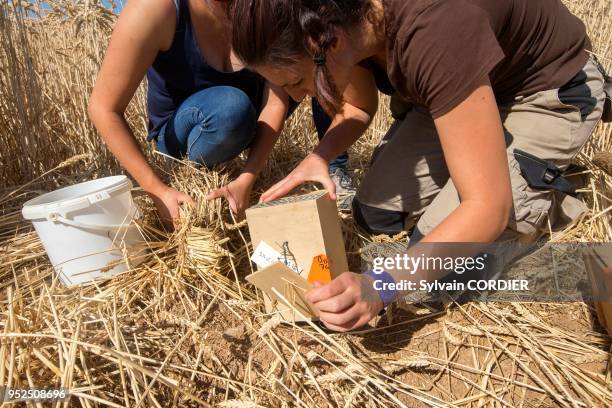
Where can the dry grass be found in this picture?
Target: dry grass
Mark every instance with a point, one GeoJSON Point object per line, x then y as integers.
{"type": "Point", "coordinates": [184, 329]}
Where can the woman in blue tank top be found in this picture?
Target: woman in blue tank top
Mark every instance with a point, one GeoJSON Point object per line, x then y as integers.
{"type": "Point", "coordinates": [201, 103]}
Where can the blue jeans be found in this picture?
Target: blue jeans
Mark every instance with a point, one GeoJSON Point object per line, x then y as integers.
{"type": "Point", "coordinates": [210, 127]}
{"type": "Point", "coordinates": [216, 124]}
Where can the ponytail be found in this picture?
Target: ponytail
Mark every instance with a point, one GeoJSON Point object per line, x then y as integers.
{"type": "Point", "coordinates": [318, 39]}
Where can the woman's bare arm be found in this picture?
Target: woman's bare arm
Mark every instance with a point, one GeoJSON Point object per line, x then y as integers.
{"type": "Point", "coordinates": [473, 143]}
{"type": "Point", "coordinates": [143, 29]}
{"type": "Point", "coordinates": [269, 126]}
{"type": "Point", "coordinates": [361, 103]}
{"type": "Point", "coordinates": [472, 139]}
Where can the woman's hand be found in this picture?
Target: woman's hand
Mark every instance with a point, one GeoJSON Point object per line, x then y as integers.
{"type": "Point", "coordinates": [312, 168]}
{"type": "Point", "coordinates": [168, 200]}
{"type": "Point", "coordinates": [236, 193]}
{"type": "Point", "coordinates": [347, 302]}
{"type": "Point", "coordinates": [143, 29]}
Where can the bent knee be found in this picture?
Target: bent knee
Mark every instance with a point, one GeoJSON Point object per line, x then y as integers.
{"type": "Point", "coordinates": [228, 130]}
{"type": "Point", "coordinates": [234, 110]}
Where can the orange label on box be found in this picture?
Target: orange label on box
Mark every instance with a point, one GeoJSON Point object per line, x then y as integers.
{"type": "Point", "coordinates": [319, 270]}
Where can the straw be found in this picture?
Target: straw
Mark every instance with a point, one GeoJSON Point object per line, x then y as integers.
{"type": "Point", "coordinates": [183, 328]}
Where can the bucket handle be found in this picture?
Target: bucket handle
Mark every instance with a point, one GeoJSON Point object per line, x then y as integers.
{"type": "Point", "coordinates": [95, 198]}
{"type": "Point", "coordinates": [55, 217]}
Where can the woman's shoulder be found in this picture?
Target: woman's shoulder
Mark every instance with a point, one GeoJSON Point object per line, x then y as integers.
{"type": "Point", "coordinates": [156, 17]}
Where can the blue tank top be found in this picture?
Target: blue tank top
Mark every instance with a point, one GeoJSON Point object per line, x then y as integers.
{"type": "Point", "coordinates": [182, 70]}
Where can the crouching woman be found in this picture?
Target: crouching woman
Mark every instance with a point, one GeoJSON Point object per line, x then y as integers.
{"type": "Point", "coordinates": [201, 104]}
{"type": "Point", "coordinates": [474, 83]}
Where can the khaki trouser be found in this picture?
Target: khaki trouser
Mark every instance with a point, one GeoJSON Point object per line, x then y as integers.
{"type": "Point", "coordinates": [408, 174]}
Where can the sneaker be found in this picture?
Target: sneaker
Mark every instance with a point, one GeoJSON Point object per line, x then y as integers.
{"type": "Point", "coordinates": [342, 180]}
{"type": "Point", "coordinates": [344, 187]}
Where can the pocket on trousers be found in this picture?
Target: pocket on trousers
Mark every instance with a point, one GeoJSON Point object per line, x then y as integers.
{"type": "Point", "coordinates": [531, 207]}
{"type": "Point", "coordinates": [576, 95]}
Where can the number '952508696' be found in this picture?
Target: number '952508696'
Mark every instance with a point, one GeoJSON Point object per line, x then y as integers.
{"type": "Point", "coordinates": [33, 394]}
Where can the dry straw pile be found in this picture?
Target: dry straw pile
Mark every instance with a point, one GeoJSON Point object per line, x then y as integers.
{"type": "Point", "coordinates": [183, 328]}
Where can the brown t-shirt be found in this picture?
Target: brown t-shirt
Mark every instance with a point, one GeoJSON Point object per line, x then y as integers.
{"type": "Point", "coordinates": [439, 50]}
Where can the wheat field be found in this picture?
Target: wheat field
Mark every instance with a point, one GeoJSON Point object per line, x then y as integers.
{"type": "Point", "coordinates": [183, 328]}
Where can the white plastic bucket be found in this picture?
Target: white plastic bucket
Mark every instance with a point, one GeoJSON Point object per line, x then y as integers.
{"type": "Point", "coordinates": [87, 229]}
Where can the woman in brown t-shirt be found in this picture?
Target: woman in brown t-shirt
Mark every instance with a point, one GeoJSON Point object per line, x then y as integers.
{"type": "Point", "coordinates": [471, 81]}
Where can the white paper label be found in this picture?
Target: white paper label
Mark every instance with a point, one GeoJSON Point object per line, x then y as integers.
{"type": "Point", "coordinates": [265, 256]}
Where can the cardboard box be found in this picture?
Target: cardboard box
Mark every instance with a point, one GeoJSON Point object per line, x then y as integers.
{"type": "Point", "coordinates": [300, 228]}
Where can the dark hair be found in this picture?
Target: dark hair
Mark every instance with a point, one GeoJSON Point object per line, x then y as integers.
{"type": "Point", "coordinates": [280, 32]}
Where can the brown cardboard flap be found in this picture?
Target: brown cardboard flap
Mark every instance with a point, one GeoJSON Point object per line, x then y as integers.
{"type": "Point", "coordinates": [286, 282]}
